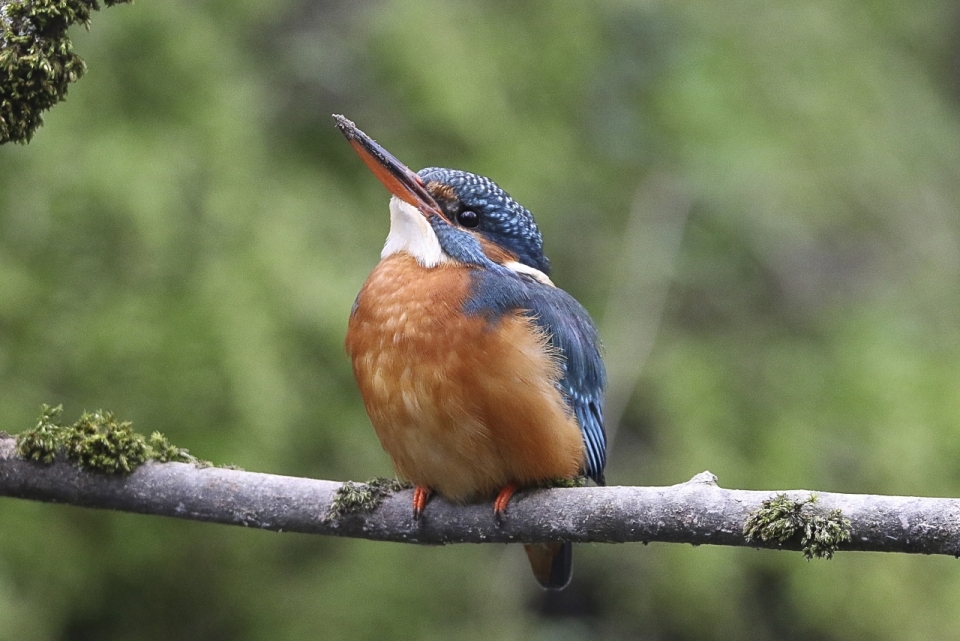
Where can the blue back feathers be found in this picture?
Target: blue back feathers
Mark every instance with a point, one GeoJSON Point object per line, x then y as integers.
{"type": "Point", "coordinates": [498, 290]}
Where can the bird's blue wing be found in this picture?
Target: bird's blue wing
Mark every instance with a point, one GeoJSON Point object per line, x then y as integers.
{"type": "Point", "coordinates": [574, 336]}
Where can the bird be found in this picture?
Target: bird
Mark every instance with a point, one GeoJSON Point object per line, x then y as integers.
{"type": "Point", "coordinates": [479, 375]}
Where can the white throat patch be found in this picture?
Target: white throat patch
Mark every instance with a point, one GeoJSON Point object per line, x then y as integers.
{"type": "Point", "coordinates": [410, 232]}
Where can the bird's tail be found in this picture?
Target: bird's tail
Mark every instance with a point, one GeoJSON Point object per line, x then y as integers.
{"type": "Point", "coordinates": [552, 563]}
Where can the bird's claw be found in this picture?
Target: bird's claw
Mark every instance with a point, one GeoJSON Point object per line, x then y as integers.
{"type": "Point", "coordinates": [421, 495]}
{"type": "Point", "coordinates": [501, 502]}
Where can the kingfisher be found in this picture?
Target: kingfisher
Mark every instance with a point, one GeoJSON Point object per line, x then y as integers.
{"type": "Point", "coordinates": [480, 376]}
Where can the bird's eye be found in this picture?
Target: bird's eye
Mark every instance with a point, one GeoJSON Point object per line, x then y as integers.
{"type": "Point", "coordinates": [468, 218]}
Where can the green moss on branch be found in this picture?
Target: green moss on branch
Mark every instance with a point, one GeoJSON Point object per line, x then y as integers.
{"type": "Point", "coordinates": [782, 518]}
{"type": "Point", "coordinates": [37, 61]}
{"type": "Point", "coordinates": [97, 441]}
{"type": "Point", "coordinates": [361, 498]}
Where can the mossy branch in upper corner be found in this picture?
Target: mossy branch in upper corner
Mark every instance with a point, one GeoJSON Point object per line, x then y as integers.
{"type": "Point", "coordinates": [37, 61]}
{"type": "Point", "coordinates": [781, 518]}
{"type": "Point", "coordinates": [97, 441]}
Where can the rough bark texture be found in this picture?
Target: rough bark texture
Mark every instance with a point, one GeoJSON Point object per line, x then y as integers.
{"type": "Point", "coordinates": [697, 511]}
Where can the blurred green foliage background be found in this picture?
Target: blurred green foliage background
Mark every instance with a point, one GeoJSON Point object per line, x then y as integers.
{"type": "Point", "coordinates": [759, 202]}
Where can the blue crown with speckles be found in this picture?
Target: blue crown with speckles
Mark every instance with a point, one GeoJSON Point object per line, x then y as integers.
{"type": "Point", "coordinates": [504, 221]}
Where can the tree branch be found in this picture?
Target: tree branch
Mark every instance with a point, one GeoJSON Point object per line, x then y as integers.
{"type": "Point", "coordinates": [697, 512]}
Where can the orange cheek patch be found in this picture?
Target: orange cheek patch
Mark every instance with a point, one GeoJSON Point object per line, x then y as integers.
{"type": "Point", "coordinates": [496, 253]}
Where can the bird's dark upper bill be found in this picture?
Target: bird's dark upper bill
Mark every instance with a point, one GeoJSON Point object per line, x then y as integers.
{"type": "Point", "coordinates": [402, 182]}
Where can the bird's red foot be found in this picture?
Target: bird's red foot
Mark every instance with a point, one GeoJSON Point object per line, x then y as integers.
{"type": "Point", "coordinates": [500, 504]}
{"type": "Point", "coordinates": [421, 495]}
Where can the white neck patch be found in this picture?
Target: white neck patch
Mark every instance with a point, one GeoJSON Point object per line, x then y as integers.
{"type": "Point", "coordinates": [538, 275]}
{"type": "Point", "coordinates": [410, 232]}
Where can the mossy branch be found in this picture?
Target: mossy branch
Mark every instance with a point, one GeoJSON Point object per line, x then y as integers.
{"type": "Point", "coordinates": [96, 442]}
{"type": "Point", "coordinates": [782, 518]}
{"type": "Point", "coordinates": [37, 61]}
{"type": "Point", "coordinates": [697, 511]}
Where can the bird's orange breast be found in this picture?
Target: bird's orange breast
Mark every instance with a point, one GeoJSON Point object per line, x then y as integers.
{"type": "Point", "coordinates": [461, 404]}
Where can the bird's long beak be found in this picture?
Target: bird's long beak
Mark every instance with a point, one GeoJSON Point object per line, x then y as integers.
{"type": "Point", "coordinates": [402, 182]}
